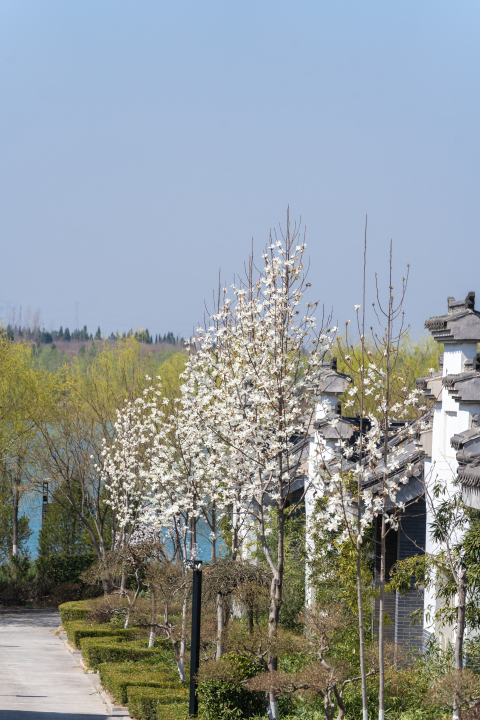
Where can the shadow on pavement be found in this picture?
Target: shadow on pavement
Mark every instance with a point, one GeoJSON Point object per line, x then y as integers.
{"type": "Point", "coordinates": [33, 715]}
{"type": "Point", "coordinates": [41, 620]}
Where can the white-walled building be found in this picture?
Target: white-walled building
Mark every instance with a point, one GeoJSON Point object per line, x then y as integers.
{"type": "Point", "coordinates": [448, 452]}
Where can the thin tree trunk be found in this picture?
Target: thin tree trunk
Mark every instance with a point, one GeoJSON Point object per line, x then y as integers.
{"type": "Point", "coordinates": [132, 603]}
{"type": "Point", "coordinates": [214, 531]}
{"type": "Point", "coordinates": [183, 641]}
{"type": "Point", "coordinates": [462, 599]}
{"type": "Point", "coordinates": [340, 703]}
{"type": "Point", "coordinates": [361, 630]}
{"type": "Point", "coordinates": [15, 523]}
{"type": "Point", "coordinates": [272, 661]}
{"type": "Point", "coordinates": [153, 617]}
{"type": "Point", "coordinates": [220, 625]}
{"type": "Point", "coordinates": [177, 651]}
{"type": "Point", "coordinates": [381, 627]}
{"type": "Point", "coordinates": [275, 602]}
{"type": "Point", "coordinates": [123, 583]}
{"type": "Point", "coordinates": [250, 611]}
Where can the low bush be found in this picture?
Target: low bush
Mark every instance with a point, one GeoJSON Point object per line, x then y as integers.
{"type": "Point", "coordinates": [60, 569]}
{"type": "Point", "coordinates": [220, 692]}
{"type": "Point", "coordinates": [143, 702]}
{"type": "Point", "coordinates": [77, 610]}
{"type": "Point", "coordinates": [117, 677]}
{"type": "Point", "coordinates": [78, 629]}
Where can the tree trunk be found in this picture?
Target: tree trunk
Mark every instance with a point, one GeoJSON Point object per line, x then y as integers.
{"type": "Point", "coordinates": [153, 617]}
{"type": "Point", "coordinates": [340, 703]}
{"type": "Point", "coordinates": [183, 641]}
{"type": "Point", "coordinates": [214, 531]}
{"type": "Point", "coordinates": [276, 588]}
{"type": "Point", "coordinates": [250, 612]}
{"type": "Point", "coordinates": [381, 627]}
{"type": "Point", "coordinates": [361, 632]}
{"type": "Point", "coordinates": [462, 599]}
{"type": "Point", "coordinates": [178, 659]}
{"type": "Point", "coordinates": [132, 602]}
{"type": "Point", "coordinates": [15, 523]}
{"type": "Point", "coordinates": [220, 625]}
{"type": "Point", "coordinates": [123, 583]}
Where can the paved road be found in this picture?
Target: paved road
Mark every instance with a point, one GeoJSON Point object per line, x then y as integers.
{"type": "Point", "coordinates": [39, 678]}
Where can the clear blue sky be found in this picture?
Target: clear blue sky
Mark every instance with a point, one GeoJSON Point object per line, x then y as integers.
{"type": "Point", "coordinates": [143, 145]}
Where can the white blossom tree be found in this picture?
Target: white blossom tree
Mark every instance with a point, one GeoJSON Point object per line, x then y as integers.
{"type": "Point", "coordinates": [162, 473]}
{"type": "Point", "coordinates": [362, 480]}
{"type": "Point", "coordinates": [253, 372]}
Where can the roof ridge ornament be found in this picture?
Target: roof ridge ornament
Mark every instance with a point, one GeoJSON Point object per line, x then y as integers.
{"type": "Point", "coordinates": [460, 324]}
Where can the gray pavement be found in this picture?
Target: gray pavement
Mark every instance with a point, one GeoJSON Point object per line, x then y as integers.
{"type": "Point", "coordinates": [39, 678]}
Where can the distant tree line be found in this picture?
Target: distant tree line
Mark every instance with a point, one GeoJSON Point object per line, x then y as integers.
{"type": "Point", "coordinates": [46, 337]}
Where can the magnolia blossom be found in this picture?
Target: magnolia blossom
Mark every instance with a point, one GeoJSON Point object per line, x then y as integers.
{"type": "Point", "coordinates": [378, 490]}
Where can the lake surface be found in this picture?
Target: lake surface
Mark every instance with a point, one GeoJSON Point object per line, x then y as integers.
{"type": "Point", "coordinates": [33, 511]}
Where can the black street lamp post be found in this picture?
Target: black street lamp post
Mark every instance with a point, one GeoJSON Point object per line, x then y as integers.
{"type": "Point", "coordinates": [196, 566]}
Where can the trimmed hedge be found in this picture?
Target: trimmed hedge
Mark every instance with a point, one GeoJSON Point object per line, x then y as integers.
{"type": "Point", "coordinates": [143, 702]}
{"type": "Point", "coordinates": [78, 629]}
{"type": "Point", "coordinates": [117, 677]}
{"type": "Point", "coordinates": [76, 610]}
{"type": "Point", "coordinates": [101, 650]}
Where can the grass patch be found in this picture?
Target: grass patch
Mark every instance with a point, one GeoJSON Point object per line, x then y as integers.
{"type": "Point", "coordinates": [144, 702]}
{"type": "Point", "coordinates": [172, 712]}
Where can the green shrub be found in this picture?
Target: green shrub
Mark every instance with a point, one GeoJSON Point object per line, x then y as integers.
{"type": "Point", "coordinates": [144, 701]}
{"type": "Point", "coordinates": [76, 610]}
{"type": "Point", "coordinates": [222, 698]}
{"type": "Point", "coordinates": [99, 650]}
{"type": "Point", "coordinates": [117, 677]}
{"type": "Point", "coordinates": [64, 568]}
{"type": "Point", "coordinates": [78, 629]}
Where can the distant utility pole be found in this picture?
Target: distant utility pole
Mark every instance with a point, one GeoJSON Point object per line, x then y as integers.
{"type": "Point", "coordinates": [45, 501]}
{"type": "Point", "coordinates": [20, 318]}
{"type": "Point", "coordinates": [75, 323]}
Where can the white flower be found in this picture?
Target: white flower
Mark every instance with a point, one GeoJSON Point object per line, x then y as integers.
{"type": "Point", "coordinates": [357, 307]}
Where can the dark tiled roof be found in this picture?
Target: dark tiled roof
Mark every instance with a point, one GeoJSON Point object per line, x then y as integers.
{"type": "Point", "coordinates": [460, 324]}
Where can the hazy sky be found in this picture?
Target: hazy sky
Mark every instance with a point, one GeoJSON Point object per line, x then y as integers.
{"type": "Point", "coordinates": [144, 144]}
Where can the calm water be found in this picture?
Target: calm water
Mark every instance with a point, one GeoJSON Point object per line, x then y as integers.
{"type": "Point", "coordinates": [33, 510]}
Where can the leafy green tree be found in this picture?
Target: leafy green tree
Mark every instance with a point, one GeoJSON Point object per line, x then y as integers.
{"type": "Point", "coordinates": [414, 359]}
{"type": "Point", "coordinates": [295, 558]}
{"type": "Point", "coordinates": [62, 532]}
{"type": "Point", "coordinates": [78, 412]}
{"type": "Point", "coordinates": [19, 382]}
{"type": "Point", "coordinates": [24, 531]}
